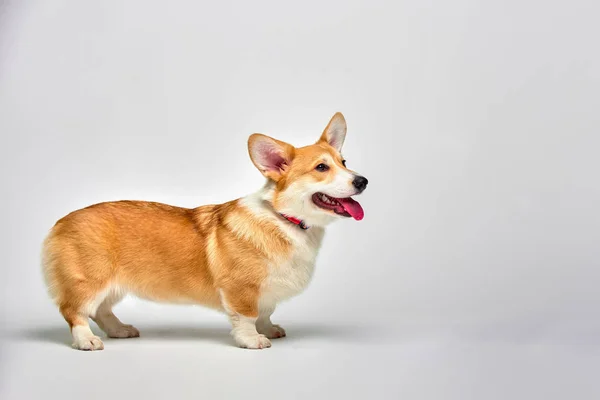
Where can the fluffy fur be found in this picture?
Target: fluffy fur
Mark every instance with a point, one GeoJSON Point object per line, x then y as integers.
{"type": "Point", "coordinates": [241, 257]}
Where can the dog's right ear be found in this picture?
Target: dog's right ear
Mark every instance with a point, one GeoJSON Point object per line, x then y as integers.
{"type": "Point", "coordinates": [271, 156]}
{"type": "Point", "coordinates": [335, 132]}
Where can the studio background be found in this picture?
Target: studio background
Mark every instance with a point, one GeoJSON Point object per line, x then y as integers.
{"type": "Point", "coordinates": [474, 273]}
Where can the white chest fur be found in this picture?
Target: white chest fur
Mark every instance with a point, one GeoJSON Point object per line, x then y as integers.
{"type": "Point", "coordinates": [292, 276]}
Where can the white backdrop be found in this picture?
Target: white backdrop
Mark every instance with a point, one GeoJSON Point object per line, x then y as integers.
{"type": "Point", "coordinates": [474, 273]}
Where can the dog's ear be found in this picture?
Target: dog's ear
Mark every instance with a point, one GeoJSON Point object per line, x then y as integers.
{"type": "Point", "coordinates": [271, 156]}
{"type": "Point", "coordinates": [335, 132]}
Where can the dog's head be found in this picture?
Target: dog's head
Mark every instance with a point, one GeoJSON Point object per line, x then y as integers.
{"type": "Point", "coordinates": [311, 183]}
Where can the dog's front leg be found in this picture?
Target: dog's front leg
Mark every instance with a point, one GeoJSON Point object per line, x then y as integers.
{"type": "Point", "coordinates": [264, 324]}
{"type": "Point", "coordinates": [242, 308]}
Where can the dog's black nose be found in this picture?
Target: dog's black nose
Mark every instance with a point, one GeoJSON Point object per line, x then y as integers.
{"type": "Point", "coordinates": [360, 183]}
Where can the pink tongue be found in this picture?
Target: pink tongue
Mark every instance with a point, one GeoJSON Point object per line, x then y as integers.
{"type": "Point", "coordinates": [352, 207]}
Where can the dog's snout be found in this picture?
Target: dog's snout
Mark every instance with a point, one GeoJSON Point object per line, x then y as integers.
{"type": "Point", "coordinates": [360, 183]}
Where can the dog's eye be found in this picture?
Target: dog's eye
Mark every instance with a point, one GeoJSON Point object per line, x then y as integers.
{"type": "Point", "coordinates": [344, 163]}
{"type": "Point", "coordinates": [322, 168]}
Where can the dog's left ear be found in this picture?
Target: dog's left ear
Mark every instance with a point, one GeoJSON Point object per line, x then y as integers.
{"type": "Point", "coordinates": [271, 156]}
{"type": "Point", "coordinates": [335, 132]}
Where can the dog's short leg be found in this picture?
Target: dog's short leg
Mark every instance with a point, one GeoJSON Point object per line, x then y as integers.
{"type": "Point", "coordinates": [114, 328]}
{"type": "Point", "coordinates": [245, 334]}
{"type": "Point", "coordinates": [84, 338]}
{"type": "Point", "coordinates": [77, 313]}
{"type": "Point", "coordinates": [243, 313]}
{"type": "Point", "coordinates": [108, 321]}
{"type": "Point", "coordinates": [265, 326]}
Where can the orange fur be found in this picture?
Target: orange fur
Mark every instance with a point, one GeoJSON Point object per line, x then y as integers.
{"type": "Point", "coordinates": [160, 252]}
{"type": "Point", "coordinates": [230, 256]}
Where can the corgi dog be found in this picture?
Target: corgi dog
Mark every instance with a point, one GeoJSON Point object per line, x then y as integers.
{"type": "Point", "coordinates": [241, 257]}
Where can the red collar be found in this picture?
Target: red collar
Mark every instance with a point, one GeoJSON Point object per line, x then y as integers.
{"type": "Point", "coordinates": [295, 221]}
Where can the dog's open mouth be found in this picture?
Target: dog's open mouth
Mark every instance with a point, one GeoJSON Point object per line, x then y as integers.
{"type": "Point", "coordinates": [347, 207]}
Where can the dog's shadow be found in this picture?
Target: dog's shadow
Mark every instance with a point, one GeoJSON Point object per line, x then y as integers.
{"type": "Point", "coordinates": [215, 334]}
{"type": "Point", "coordinates": [61, 335]}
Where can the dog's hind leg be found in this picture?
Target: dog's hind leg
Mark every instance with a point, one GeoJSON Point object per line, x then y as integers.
{"type": "Point", "coordinates": [77, 306]}
{"type": "Point", "coordinates": [108, 321]}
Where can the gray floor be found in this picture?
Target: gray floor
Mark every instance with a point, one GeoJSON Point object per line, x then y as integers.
{"type": "Point", "coordinates": [319, 359]}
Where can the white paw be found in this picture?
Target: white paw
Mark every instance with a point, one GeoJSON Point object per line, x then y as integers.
{"type": "Point", "coordinates": [88, 343]}
{"type": "Point", "coordinates": [273, 331]}
{"type": "Point", "coordinates": [123, 331]}
{"type": "Point", "coordinates": [253, 341]}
